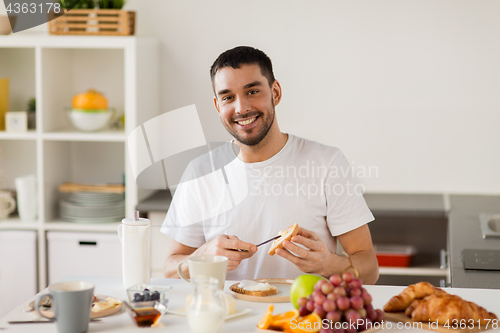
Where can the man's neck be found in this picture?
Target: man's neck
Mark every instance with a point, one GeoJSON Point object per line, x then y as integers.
{"type": "Point", "coordinates": [264, 150]}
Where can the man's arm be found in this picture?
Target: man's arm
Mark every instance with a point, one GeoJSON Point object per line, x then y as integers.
{"type": "Point", "coordinates": [318, 259]}
{"type": "Point", "coordinates": [228, 246]}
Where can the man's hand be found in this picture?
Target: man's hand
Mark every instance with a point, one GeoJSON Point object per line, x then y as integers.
{"type": "Point", "coordinates": [318, 259]}
{"type": "Point", "coordinates": [228, 246]}
{"type": "Point", "coordinates": [309, 260]}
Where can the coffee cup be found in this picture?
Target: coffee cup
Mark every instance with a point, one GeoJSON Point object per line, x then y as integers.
{"type": "Point", "coordinates": [71, 304]}
{"type": "Point", "coordinates": [208, 266]}
{"type": "Point", "coordinates": [7, 204]}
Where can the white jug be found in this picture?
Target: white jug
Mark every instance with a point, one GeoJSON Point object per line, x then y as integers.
{"type": "Point", "coordinates": [135, 236]}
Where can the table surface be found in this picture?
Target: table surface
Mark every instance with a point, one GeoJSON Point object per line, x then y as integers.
{"type": "Point", "coordinates": [121, 322]}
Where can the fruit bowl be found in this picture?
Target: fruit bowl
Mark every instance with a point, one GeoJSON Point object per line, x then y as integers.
{"type": "Point", "coordinates": [90, 120]}
{"type": "Point", "coordinates": [146, 292]}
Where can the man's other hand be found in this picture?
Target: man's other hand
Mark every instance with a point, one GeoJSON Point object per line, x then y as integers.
{"type": "Point", "coordinates": [228, 246]}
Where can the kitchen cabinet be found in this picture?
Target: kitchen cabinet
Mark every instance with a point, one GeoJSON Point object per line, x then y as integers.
{"type": "Point", "coordinates": [17, 268]}
{"type": "Point", "coordinates": [420, 220]}
{"type": "Point", "coordinates": [53, 69]}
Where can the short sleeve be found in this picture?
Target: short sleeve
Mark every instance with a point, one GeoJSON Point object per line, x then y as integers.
{"type": "Point", "coordinates": [346, 207]}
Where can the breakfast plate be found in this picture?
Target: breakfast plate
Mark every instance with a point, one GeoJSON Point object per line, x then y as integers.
{"type": "Point", "coordinates": [236, 314]}
{"type": "Point", "coordinates": [98, 311]}
{"type": "Point", "coordinates": [282, 296]}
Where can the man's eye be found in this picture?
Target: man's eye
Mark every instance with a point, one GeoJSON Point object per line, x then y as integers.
{"type": "Point", "coordinates": [252, 92]}
{"type": "Point", "coordinates": [226, 98]}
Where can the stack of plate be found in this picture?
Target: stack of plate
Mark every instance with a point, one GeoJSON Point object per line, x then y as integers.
{"type": "Point", "coordinates": [92, 207]}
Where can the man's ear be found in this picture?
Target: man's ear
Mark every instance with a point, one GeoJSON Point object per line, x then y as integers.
{"type": "Point", "coordinates": [216, 104]}
{"type": "Point", "coordinates": [276, 89]}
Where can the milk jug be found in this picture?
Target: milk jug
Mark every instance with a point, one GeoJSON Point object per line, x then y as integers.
{"type": "Point", "coordinates": [135, 236]}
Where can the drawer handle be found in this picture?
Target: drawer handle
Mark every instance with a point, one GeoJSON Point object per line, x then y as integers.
{"type": "Point", "coordinates": [88, 243]}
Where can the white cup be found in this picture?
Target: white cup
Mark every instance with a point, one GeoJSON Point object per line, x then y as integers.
{"type": "Point", "coordinates": [27, 202]}
{"type": "Point", "coordinates": [208, 266]}
{"type": "Point", "coordinates": [7, 204]}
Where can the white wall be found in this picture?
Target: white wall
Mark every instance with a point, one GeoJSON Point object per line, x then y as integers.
{"type": "Point", "coordinates": [411, 87]}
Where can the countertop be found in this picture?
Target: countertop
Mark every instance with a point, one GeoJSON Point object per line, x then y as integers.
{"type": "Point", "coordinates": [121, 322]}
{"type": "Point", "coordinates": [465, 233]}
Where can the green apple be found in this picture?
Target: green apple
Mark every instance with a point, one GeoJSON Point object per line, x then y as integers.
{"type": "Point", "coordinates": [303, 286]}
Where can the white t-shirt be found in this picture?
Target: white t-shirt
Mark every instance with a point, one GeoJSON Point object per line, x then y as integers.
{"type": "Point", "coordinates": [305, 182]}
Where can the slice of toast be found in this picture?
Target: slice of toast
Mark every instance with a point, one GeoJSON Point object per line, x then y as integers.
{"type": "Point", "coordinates": [271, 291]}
{"type": "Point", "coordinates": [285, 235]}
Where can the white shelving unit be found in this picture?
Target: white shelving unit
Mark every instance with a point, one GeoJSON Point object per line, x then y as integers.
{"type": "Point", "coordinates": [53, 69]}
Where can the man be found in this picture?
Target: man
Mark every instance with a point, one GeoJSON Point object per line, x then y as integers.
{"type": "Point", "coordinates": [289, 180]}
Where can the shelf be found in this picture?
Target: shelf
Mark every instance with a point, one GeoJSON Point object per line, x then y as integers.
{"type": "Point", "coordinates": [67, 134]}
{"type": "Point", "coordinates": [29, 135]}
{"type": "Point", "coordinates": [92, 227]}
{"type": "Point", "coordinates": [15, 223]}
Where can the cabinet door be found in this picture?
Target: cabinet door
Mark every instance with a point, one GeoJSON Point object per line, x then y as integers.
{"type": "Point", "coordinates": [83, 254]}
{"type": "Point", "coordinates": [18, 264]}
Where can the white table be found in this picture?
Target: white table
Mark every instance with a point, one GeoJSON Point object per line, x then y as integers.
{"type": "Point", "coordinates": [121, 322]}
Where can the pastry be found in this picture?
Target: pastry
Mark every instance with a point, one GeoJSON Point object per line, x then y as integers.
{"type": "Point", "coordinates": [415, 291]}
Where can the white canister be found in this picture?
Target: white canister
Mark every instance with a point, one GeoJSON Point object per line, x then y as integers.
{"type": "Point", "coordinates": [27, 202]}
{"type": "Point", "coordinates": [135, 236]}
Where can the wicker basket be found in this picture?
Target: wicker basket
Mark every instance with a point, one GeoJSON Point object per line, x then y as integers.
{"type": "Point", "coordinates": [93, 22]}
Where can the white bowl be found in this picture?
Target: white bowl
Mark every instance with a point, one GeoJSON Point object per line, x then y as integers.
{"type": "Point", "coordinates": [90, 120]}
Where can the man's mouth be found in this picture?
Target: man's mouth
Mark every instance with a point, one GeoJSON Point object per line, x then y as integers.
{"type": "Point", "coordinates": [247, 121]}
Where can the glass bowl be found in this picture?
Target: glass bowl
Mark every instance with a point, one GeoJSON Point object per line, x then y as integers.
{"type": "Point", "coordinates": [145, 314]}
{"type": "Point", "coordinates": [147, 292]}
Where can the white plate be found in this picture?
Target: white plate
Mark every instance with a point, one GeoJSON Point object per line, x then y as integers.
{"type": "Point", "coordinates": [283, 295]}
{"type": "Point", "coordinates": [236, 314]}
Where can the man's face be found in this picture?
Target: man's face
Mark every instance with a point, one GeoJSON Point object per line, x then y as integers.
{"type": "Point", "coordinates": [245, 102]}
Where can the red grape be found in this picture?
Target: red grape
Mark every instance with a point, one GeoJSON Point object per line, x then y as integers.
{"type": "Point", "coordinates": [329, 305]}
{"type": "Point", "coordinates": [368, 307]}
{"type": "Point", "coordinates": [347, 277]}
{"type": "Point", "coordinates": [380, 315]}
{"type": "Point", "coordinates": [319, 299]}
{"type": "Point", "coordinates": [310, 306]}
{"type": "Point", "coordinates": [372, 315]}
{"type": "Point", "coordinates": [326, 330]}
{"type": "Point", "coordinates": [336, 280]}
{"type": "Point", "coordinates": [333, 316]}
{"type": "Point", "coordinates": [339, 330]}
{"type": "Point", "coordinates": [333, 296]}
{"type": "Point", "coordinates": [303, 311]}
{"type": "Point", "coordinates": [327, 288]}
{"type": "Point", "coordinates": [352, 316]}
{"type": "Point", "coordinates": [362, 312]}
{"type": "Point", "coordinates": [340, 291]}
{"type": "Point", "coordinates": [351, 330]}
{"type": "Point", "coordinates": [302, 301]}
{"type": "Point", "coordinates": [319, 284]}
{"type": "Point", "coordinates": [343, 303]}
{"type": "Point", "coordinates": [355, 292]}
{"type": "Point", "coordinates": [356, 302]}
{"type": "Point", "coordinates": [320, 311]}
{"type": "Point", "coordinates": [355, 283]}
{"type": "Point", "coordinates": [367, 298]}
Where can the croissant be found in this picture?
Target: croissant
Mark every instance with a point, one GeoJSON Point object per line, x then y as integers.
{"type": "Point", "coordinates": [440, 308]}
{"type": "Point", "coordinates": [415, 291]}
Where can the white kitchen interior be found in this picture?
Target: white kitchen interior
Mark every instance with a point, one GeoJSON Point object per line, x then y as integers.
{"type": "Point", "coordinates": [408, 90]}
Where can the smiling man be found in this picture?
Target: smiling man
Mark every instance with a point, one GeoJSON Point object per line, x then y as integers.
{"type": "Point", "coordinates": [289, 180]}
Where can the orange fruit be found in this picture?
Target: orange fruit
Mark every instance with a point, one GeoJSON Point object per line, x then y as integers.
{"type": "Point", "coordinates": [309, 324]}
{"type": "Point", "coordinates": [90, 100]}
{"type": "Point", "coordinates": [283, 319]}
{"type": "Point", "coordinates": [267, 318]}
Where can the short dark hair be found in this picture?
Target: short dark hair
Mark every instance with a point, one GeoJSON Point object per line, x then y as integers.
{"type": "Point", "coordinates": [243, 55]}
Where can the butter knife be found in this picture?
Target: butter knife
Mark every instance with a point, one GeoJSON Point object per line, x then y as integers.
{"type": "Point", "coordinates": [269, 240]}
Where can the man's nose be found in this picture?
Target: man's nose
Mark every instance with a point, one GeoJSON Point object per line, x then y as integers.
{"type": "Point", "coordinates": [242, 105]}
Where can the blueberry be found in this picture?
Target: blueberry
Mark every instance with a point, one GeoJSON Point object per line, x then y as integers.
{"type": "Point", "coordinates": [147, 296]}
{"type": "Point", "coordinates": [155, 296]}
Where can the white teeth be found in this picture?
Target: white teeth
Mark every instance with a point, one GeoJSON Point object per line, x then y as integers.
{"type": "Point", "coordinates": [246, 122]}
